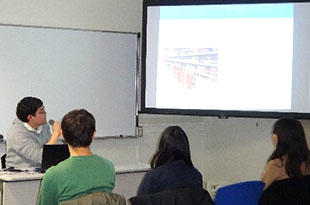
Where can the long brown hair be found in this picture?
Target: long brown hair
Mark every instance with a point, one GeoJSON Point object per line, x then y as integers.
{"type": "Point", "coordinates": [173, 145]}
{"type": "Point", "coordinates": [292, 145]}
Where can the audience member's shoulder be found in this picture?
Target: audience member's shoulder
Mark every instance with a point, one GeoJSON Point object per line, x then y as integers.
{"type": "Point", "coordinates": [60, 168]}
{"type": "Point", "coordinates": [155, 171]}
{"type": "Point", "coordinates": [180, 164]}
{"type": "Point", "coordinates": [104, 160]}
{"type": "Point", "coordinates": [274, 165]}
{"type": "Point", "coordinates": [274, 170]}
{"type": "Point", "coordinates": [277, 163]}
{"type": "Point", "coordinates": [51, 172]}
{"type": "Point", "coordinates": [197, 171]}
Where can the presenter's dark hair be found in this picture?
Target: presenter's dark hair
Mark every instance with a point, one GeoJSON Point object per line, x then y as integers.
{"type": "Point", "coordinates": [291, 145]}
{"type": "Point", "coordinates": [78, 127]}
{"type": "Point", "coordinates": [28, 106]}
{"type": "Point", "coordinates": [173, 145]}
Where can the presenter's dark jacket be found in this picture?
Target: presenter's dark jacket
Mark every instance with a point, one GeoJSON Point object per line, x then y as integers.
{"type": "Point", "coordinates": [170, 176]}
{"type": "Point", "coordinates": [292, 191]}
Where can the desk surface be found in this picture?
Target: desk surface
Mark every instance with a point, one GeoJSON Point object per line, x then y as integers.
{"type": "Point", "coordinates": [7, 176]}
{"type": "Point", "coordinates": [128, 168]}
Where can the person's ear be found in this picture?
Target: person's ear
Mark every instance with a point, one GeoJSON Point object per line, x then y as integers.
{"type": "Point", "coordinates": [29, 117]}
{"type": "Point", "coordinates": [94, 134]}
{"type": "Point", "coordinates": [275, 139]}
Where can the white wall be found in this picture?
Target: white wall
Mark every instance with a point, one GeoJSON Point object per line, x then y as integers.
{"type": "Point", "coordinates": [224, 150]}
{"type": "Point", "coordinates": [109, 15]}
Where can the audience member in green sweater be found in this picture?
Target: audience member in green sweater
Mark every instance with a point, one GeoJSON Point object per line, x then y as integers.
{"type": "Point", "coordinates": [83, 172]}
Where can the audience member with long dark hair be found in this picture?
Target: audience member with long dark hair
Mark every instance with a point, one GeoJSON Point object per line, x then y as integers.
{"type": "Point", "coordinates": [172, 167]}
{"type": "Point", "coordinates": [291, 157]}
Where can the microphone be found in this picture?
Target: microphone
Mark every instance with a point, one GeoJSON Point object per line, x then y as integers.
{"type": "Point", "coordinates": [51, 122]}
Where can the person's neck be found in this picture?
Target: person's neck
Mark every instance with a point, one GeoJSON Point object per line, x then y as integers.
{"type": "Point", "coordinates": [79, 151]}
{"type": "Point", "coordinates": [34, 126]}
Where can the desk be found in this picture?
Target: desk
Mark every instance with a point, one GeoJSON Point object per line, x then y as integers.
{"type": "Point", "coordinates": [22, 188]}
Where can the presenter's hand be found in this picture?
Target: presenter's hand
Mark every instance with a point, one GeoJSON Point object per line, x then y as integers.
{"type": "Point", "coordinates": [56, 128]}
{"type": "Point", "coordinates": [56, 133]}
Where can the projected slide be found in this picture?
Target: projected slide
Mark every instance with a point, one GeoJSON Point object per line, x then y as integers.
{"type": "Point", "coordinates": [232, 57]}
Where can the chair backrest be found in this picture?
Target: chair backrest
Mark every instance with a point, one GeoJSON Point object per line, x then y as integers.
{"type": "Point", "coordinates": [97, 198]}
{"type": "Point", "coordinates": [3, 166]}
{"type": "Point", "coordinates": [247, 193]}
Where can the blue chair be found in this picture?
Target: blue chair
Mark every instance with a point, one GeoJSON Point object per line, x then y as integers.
{"type": "Point", "coordinates": [247, 193]}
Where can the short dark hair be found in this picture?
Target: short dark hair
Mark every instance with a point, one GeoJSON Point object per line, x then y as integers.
{"type": "Point", "coordinates": [78, 127]}
{"type": "Point", "coordinates": [173, 145]}
{"type": "Point", "coordinates": [291, 144]}
{"type": "Point", "coordinates": [28, 106]}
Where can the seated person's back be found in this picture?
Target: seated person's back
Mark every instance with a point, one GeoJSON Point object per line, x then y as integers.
{"type": "Point", "coordinates": [290, 191]}
{"type": "Point", "coordinates": [83, 172]}
{"type": "Point", "coordinates": [182, 196]}
{"type": "Point", "coordinates": [170, 176]}
{"type": "Point", "coordinates": [289, 162]}
{"type": "Point", "coordinates": [172, 167]}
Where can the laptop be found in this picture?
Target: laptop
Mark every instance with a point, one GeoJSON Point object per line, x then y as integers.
{"type": "Point", "coordinates": [52, 155]}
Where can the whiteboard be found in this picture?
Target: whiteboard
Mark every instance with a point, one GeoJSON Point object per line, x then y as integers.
{"type": "Point", "coordinates": [70, 69]}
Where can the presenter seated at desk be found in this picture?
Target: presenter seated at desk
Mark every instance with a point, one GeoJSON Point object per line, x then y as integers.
{"type": "Point", "coordinates": [28, 133]}
{"type": "Point", "coordinates": [172, 167]}
{"type": "Point", "coordinates": [83, 172]}
{"type": "Point", "coordinates": [291, 157]}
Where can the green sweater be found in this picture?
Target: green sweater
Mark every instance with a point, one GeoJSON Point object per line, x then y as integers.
{"type": "Point", "coordinates": [74, 177]}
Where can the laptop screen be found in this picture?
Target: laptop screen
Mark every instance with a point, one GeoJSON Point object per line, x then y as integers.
{"type": "Point", "coordinates": [53, 154]}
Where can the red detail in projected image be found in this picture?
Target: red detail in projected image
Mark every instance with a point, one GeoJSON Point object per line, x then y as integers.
{"type": "Point", "coordinates": [189, 65]}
